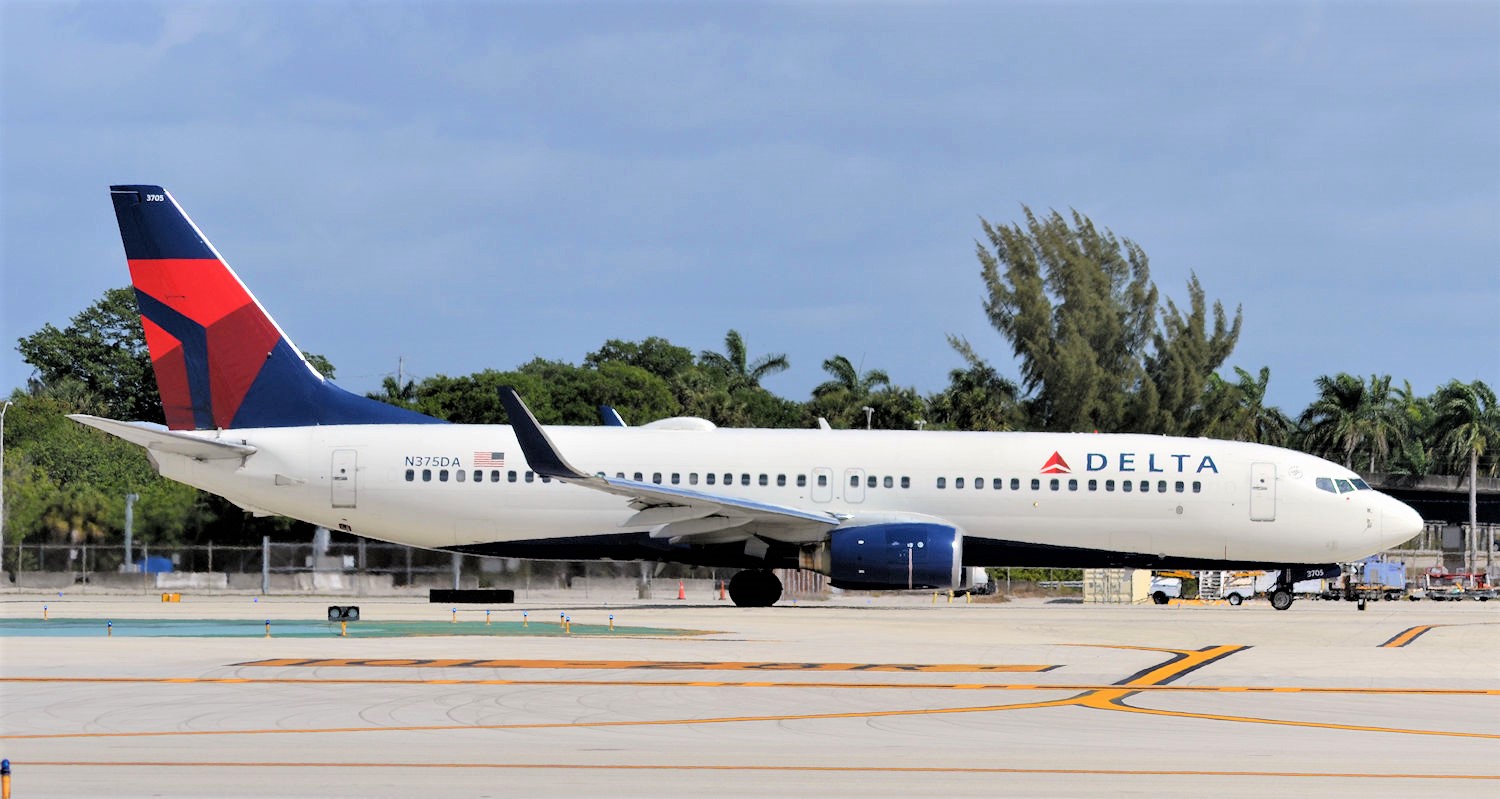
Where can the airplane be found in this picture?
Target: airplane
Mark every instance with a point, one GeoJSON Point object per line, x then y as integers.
{"type": "Point", "coordinates": [250, 420]}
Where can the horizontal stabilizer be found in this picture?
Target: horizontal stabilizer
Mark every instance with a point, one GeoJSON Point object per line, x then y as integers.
{"type": "Point", "coordinates": [160, 439]}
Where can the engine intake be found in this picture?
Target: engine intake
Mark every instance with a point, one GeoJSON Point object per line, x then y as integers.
{"type": "Point", "coordinates": [893, 555]}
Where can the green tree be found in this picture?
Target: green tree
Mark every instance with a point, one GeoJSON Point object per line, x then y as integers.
{"type": "Point", "coordinates": [977, 396]}
{"type": "Point", "coordinates": [1352, 421]}
{"type": "Point", "coordinates": [1468, 426]}
{"type": "Point", "coordinates": [735, 367]}
{"type": "Point", "coordinates": [655, 354]}
{"type": "Point", "coordinates": [1238, 411]}
{"type": "Point", "coordinates": [103, 351]}
{"type": "Point", "coordinates": [843, 398]}
{"type": "Point", "coordinates": [1080, 312]}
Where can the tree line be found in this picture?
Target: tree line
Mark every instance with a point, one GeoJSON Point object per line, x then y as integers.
{"type": "Point", "coordinates": [1096, 345]}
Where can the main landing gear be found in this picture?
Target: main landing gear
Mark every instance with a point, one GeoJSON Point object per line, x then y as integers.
{"type": "Point", "coordinates": [755, 588]}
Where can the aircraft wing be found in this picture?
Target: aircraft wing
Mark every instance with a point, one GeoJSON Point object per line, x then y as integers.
{"type": "Point", "coordinates": [681, 513]}
{"type": "Point", "coordinates": [160, 439]}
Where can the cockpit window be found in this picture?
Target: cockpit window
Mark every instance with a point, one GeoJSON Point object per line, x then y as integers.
{"type": "Point", "coordinates": [1326, 483]}
{"type": "Point", "coordinates": [1361, 485]}
{"type": "Point", "coordinates": [1344, 486]}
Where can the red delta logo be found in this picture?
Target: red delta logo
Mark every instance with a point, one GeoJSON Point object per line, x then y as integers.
{"type": "Point", "coordinates": [1056, 465]}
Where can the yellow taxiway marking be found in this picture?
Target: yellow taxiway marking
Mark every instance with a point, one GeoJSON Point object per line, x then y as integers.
{"type": "Point", "coordinates": [1109, 698]}
{"type": "Point", "coordinates": [916, 686]}
{"type": "Point", "coordinates": [655, 665]}
{"type": "Point", "coordinates": [1411, 634]}
{"type": "Point", "coordinates": [781, 768]}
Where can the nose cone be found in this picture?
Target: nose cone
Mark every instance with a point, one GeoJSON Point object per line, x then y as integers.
{"type": "Point", "coordinates": [1401, 523]}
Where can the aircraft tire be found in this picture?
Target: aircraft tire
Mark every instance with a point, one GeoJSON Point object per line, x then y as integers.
{"type": "Point", "coordinates": [1281, 599]}
{"type": "Point", "coordinates": [754, 588]}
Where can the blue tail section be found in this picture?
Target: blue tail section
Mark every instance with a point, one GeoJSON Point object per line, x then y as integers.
{"type": "Point", "coordinates": [221, 362]}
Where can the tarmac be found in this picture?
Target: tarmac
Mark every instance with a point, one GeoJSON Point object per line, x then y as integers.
{"type": "Point", "coordinates": [862, 695]}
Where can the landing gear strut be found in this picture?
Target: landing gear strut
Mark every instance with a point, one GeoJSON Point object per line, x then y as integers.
{"type": "Point", "coordinates": [755, 588]}
{"type": "Point", "coordinates": [1281, 594]}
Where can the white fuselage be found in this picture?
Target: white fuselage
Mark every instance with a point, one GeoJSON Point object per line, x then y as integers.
{"type": "Point", "coordinates": [1202, 498]}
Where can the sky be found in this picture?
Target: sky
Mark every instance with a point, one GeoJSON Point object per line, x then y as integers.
{"type": "Point", "coordinates": [462, 186]}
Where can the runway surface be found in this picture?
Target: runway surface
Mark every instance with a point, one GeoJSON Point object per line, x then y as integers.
{"type": "Point", "coordinates": [856, 697]}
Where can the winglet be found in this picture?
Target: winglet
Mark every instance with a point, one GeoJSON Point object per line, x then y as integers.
{"type": "Point", "coordinates": [539, 450]}
{"type": "Point", "coordinates": [610, 417]}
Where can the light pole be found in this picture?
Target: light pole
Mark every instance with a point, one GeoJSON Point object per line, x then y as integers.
{"type": "Point", "coordinates": [130, 500]}
{"type": "Point", "coordinates": [3, 409]}
{"type": "Point", "coordinates": [869, 412]}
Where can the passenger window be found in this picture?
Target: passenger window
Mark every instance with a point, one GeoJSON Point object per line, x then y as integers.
{"type": "Point", "coordinates": [1093, 485]}
{"type": "Point", "coordinates": [1109, 485]}
{"type": "Point", "coordinates": [710, 478]}
{"type": "Point", "coordinates": [411, 474]}
{"type": "Point", "coordinates": [764, 480]}
{"type": "Point", "coordinates": [1015, 484]}
{"type": "Point", "coordinates": [822, 481]}
{"type": "Point", "coordinates": [638, 477]}
{"type": "Point", "coordinates": [442, 475]}
{"type": "Point", "coordinates": [1161, 486]}
{"type": "Point", "coordinates": [979, 482]}
{"type": "Point", "coordinates": [958, 482]}
{"type": "Point", "coordinates": [1054, 484]}
{"type": "Point", "coordinates": [1036, 484]}
{"type": "Point", "coordinates": [906, 482]}
{"type": "Point", "coordinates": [1145, 486]}
{"type": "Point", "coordinates": [870, 481]}
{"type": "Point", "coordinates": [546, 479]}
{"type": "Point", "coordinates": [1180, 486]}
{"type": "Point", "coordinates": [459, 475]}
{"type": "Point", "coordinates": [942, 482]}
{"type": "Point", "coordinates": [780, 480]}
{"type": "Point", "coordinates": [530, 476]}
{"type": "Point", "coordinates": [997, 484]}
{"type": "Point", "coordinates": [511, 477]}
{"type": "Point", "coordinates": [1197, 487]}
{"type": "Point", "coordinates": [676, 478]}
{"type": "Point", "coordinates": [728, 479]}
{"type": "Point", "coordinates": [656, 477]}
{"type": "Point", "coordinates": [889, 481]}
{"type": "Point", "coordinates": [744, 479]}
{"type": "Point", "coordinates": [1344, 486]}
{"type": "Point", "coordinates": [1127, 486]}
{"type": "Point", "coordinates": [692, 478]}
{"type": "Point", "coordinates": [801, 481]}
{"type": "Point", "coordinates": [495, 475]}
{"type": "Point", "coordinates": [1326, 484]}
{"type": "Point", "coordinates": [1072, 485]}
{"type": "Point", "coordinates": [426, 475]}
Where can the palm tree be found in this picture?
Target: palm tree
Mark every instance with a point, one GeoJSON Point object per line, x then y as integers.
{"type": "Point", "coordinates": [848, 391]}
{"type": "Point", "coordinates": [1252, 420]}
{"type": "Point", "coordinates": [977, 397]}
{"type": "Point", "coordinates": [734, 363]}
{"type": "Point", "coordinates": [1468, 426]}
{"type": "Point", "coordinates": [1331, 424]}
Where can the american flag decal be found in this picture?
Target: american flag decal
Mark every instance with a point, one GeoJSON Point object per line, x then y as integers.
{"type": "Point", "coordinates": [483, 459]}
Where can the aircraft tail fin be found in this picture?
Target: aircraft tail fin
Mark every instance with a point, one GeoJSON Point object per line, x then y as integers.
{"type": "Point", "coordinates": [221, 361]}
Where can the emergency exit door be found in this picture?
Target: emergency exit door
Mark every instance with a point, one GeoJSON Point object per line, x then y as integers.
{"type": "Point", "coordinates": [1262, 492]}
{"type": "Point", "coordinates": [343, 478]}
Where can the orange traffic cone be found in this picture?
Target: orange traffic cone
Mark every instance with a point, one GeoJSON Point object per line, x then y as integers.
{"type": "Point", "coordinates": [681, 590]}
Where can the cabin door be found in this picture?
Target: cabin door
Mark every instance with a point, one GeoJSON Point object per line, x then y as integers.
{"type": "Point", "coordinates": [1262, 492]}
{"type": "Point", "coordinates": [342, 478]}
{"type": "Point", "coordinates": [822, 485]}
{"type": "Point", "coordinates": [854, 485]}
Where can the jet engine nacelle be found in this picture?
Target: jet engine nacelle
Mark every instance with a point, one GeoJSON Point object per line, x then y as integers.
{"type": "Point", "coordinates": [891, 554]}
